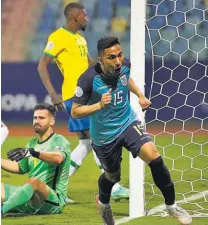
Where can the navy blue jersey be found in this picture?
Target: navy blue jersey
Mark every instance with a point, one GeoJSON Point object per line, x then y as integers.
{"type": "Point", "coordinates": [106, 124]}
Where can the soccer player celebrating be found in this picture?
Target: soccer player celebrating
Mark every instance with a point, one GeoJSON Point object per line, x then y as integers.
{"type": "Point", "coordinates": [69, 50]}
{"type": "Point", "coordinates": [47, 160]}
{"type": "Point", "coordinates": [102, 94]}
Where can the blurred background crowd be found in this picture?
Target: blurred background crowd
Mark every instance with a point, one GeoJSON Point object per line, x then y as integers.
{"type": "Point", "coordinates": [176, 51]}
{"type": "Point", "coordinates": [26, 25]}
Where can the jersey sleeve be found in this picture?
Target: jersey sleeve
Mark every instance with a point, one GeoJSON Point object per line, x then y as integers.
{"type": "Point", "coordinates": [62, 145]}
{"type": "Point", "coordinates": [83, 90]}
{"type": "Point", "coordinates": [23, 164]}
{"type": "Point", "coordinates": [54, 46]}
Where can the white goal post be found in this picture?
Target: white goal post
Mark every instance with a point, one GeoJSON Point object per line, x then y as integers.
{"type": "Point", "coordinates": [137, 56]}
{"type": "Point", "coordinates": [177, 36]}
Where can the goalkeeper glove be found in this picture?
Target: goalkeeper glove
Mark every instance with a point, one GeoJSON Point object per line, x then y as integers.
{"type": "Point", "coordinates": [18, 154]}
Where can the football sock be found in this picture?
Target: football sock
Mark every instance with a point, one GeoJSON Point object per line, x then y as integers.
{"type": "Point", "coordinates": [117, 185]}
{"type": "Point", "coordinates": [19, 197]}
{"type": "Point", "coordinates": [105, 187]}
{"type": "Point", "coordinates": [78, 155]}
{"type": "Point", "coordinates": [162, 179]}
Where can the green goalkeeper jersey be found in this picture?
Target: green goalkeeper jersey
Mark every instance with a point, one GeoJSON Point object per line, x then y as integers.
{"type": "Point", "coordinates": [55, 176]}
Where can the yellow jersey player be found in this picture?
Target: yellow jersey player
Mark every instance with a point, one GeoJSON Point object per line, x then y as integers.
{"type": "Point", "coordinates": [68, 48]}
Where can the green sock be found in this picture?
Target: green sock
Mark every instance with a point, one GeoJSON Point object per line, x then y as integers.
{"type": "Point", "coordinates": [76, 166]}
{"type": "Point", "coordinates": [19, 197]}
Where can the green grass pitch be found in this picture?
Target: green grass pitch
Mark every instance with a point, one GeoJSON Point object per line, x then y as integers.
{"type": "Point", "coordinates": [83, 187]}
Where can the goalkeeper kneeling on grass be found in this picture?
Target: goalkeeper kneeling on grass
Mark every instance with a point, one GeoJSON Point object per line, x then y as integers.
{"type": "Point", "coordinates": [47, 160]}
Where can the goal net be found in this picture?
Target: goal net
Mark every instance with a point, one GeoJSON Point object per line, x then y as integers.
{"type": "Point", "coordinates": [177, 84]}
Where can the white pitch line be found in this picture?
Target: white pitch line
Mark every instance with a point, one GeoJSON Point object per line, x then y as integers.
{"type": "Point", "coordinates": [191, 198]}
{"type": "Point", "coordinates": [162, 207]}
{"type": "Point", "coordinates": [124, 220]}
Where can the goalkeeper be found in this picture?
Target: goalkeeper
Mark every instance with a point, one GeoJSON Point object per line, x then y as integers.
{"type": "Point", "coordinates": [47, 160]}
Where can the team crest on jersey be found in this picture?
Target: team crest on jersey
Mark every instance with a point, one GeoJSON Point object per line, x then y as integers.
{"type": "Point", "coordinates": [78, 92]}
{"type": "Point", "coordinates": [59, 148]}
{"type": "Point", "coordinates": [50, 45]}
{"type": "Point", "coordinates": [123, 80]}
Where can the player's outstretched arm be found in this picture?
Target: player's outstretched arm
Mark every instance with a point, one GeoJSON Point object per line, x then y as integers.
{"type": "Point", "coordinates": [79, 111]}
{"type": "Point", "coordinates": [45, 77]}
{"type": "Point", "coordinates": [134, 89]}
{"type": "Point", "coordinates": [50, 157]}
{"type": "Point", "coordinates": [44, 74]}
{"type": "Point", "coordinates": [143, 101]}
{"type": "Point", "coordinates": [10, 166]}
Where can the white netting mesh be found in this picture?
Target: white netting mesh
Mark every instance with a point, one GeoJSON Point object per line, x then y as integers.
{"type": "Point", "coordinates": [177, 83]}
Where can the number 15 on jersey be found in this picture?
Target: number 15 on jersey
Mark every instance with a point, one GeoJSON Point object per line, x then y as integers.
{"type": "Point", "coordinates": [118, 97]}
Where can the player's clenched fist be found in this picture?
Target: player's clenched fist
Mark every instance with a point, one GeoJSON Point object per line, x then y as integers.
{"type": "Point", "coordinates": [106, 98]}
{"type": "Point", "coordinates": [144, 102]}
{"type": "Point", "coordinates": [58, 102]}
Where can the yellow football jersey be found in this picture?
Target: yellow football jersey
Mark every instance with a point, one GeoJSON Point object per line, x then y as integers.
{"type": "Point", "coordinates": [70, 53]}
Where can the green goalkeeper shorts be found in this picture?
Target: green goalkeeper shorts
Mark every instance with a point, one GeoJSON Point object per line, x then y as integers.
{"type": "Point", "coordinates": [52, 205]}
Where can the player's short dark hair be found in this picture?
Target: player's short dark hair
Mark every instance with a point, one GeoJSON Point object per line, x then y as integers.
{"type": "Point", "coordinates": [106, 42]}
{"type": "Point", "coordinates": [70, 6]}
{"type": "Point", "coordinates": [51, 109]}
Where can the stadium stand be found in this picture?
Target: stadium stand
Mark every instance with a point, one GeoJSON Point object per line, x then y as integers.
{"type": "Point", "coordinates": [23, 29]}
{"type": "Point", "coordinates": [106, 17]}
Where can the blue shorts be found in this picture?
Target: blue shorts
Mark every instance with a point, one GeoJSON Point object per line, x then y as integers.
{"type": "Point", "coordinates": [110, 155]}
{"type": "Point", "coordinates": [76, 125]}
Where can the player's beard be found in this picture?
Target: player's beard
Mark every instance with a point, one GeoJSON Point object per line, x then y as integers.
{"type": "Point", "coordinates": [83, 27]}
{"type": "Point", "coordinates": [117, 72]}
{"type": "Point", "coordinates": [108, 72]}
{"type": "Point", "coordinates": [113, 74]}
{"type": "Point", "coordinates": [38, 129]}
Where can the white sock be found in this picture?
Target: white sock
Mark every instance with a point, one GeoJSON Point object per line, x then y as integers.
{"type": "Point", "coordinates": [72, 170]}
{"type": "Point", "coordinates": [171, 206]}
{"type": "Point", "coordinates": [98, 162]}
{"type": "Point", "coordinates": [4, 132]}
{"type": "Point", "coordinates": [78, 155]}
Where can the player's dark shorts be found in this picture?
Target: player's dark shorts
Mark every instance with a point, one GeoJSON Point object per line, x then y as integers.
{"type": "Point", "coordinates": [76, 125]}
{"type": "Point", "coordinates": [110, 155]}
